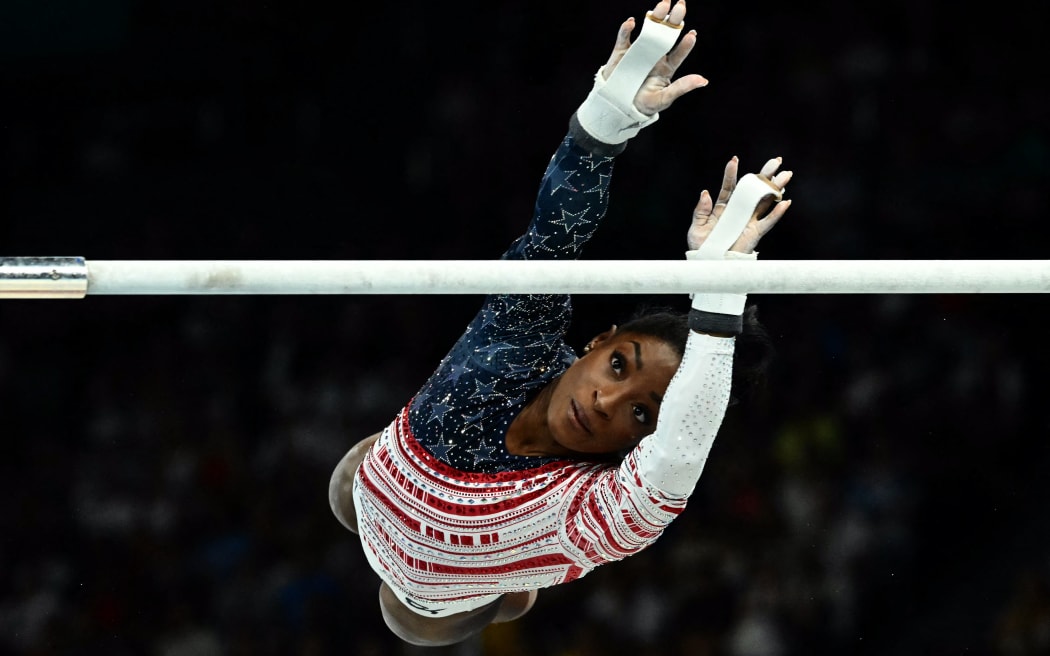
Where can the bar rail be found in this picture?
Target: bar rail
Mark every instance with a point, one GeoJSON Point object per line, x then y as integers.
{"type": "Point", "coordinates": [75, 277]}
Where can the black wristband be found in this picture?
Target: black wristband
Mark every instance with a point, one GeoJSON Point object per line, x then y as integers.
{"type": "Point", "coordinates": [714, 322]}
{"type": "Point", "coordinates": [584, 140]}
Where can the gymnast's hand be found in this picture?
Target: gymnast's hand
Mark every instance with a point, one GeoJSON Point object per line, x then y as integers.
{"type": "Point", "coordinates": [707, 212]}
{"type": "Point", "coordinates": [658, 91]}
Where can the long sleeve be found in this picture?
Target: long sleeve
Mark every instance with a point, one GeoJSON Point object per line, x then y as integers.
{"type": "Point", "coordinates": [673, 457]}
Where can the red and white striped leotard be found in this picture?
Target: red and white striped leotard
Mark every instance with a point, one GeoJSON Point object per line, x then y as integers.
{"type": "Point", "coordinates": [439, 534]}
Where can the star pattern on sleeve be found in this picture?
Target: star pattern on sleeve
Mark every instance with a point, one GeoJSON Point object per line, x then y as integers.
{"type": "Point", "coordinates": [579, 240]}
{"type": "Point", "coordinates": [595, 162]}
{"type": "Point", "coordinates": [455, 372]}
{"type": "Point", "coordinates": [474, 422]}
{"type": "Point", "coordinates": [487, 317]}
{"type": "Point", "coordinates": [602, 190]}
{"type": "Point", "coordinates": [559, 180]}
{"type": "Point", "coordinates": [572, 221]}
{"type": "Point", "coordinates": [485, 391]}
{"type": "Point", "coordinates": [539, 241]}
{"type": "Point", "coordinates": [438, 412]}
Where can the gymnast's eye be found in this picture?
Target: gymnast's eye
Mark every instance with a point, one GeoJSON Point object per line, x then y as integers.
{"type": "Point", "coordinates": [641, 413]}
{"type": "Point", "coordinates": [616, 363]}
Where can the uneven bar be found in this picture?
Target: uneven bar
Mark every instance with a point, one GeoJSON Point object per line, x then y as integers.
{"type": "Point", "coordinates": [567, 276]}
{"type": "Point", "coordinates": [64, 277]}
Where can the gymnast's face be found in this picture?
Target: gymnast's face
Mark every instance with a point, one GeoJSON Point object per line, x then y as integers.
{"type": "Point", "coordinates": [609, 399]}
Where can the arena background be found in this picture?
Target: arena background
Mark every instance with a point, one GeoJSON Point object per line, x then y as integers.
{"type": "Point", "coordinates": [163, 483]}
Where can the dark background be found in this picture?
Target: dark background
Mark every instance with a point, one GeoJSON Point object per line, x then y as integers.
{"type": "Point", "coordinates": [165, 460]}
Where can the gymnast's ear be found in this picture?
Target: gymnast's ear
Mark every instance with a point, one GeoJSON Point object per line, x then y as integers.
{"type": "Point", "coordinates": [599, 338]}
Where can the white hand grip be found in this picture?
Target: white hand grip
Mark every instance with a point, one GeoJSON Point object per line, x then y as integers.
{"type": "Point", "coordinates": [748, 193]}
{"type": "Point", "coordinates": [608, 114]}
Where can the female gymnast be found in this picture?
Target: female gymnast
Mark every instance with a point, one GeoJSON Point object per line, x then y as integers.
{"type": "Point", "coordinates": [518, 465]}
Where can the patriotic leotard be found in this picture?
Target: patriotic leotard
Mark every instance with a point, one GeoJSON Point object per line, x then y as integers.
{"type": "Point", "coordinates": [449, 519]}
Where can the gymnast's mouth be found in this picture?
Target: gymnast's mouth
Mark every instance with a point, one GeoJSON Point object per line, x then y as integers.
{"type": "Point", "coordinates": [578, 418]}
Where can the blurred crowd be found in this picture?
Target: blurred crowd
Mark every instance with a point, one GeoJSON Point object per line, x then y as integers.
{"type": "Point", "coordinates": [164, 485]}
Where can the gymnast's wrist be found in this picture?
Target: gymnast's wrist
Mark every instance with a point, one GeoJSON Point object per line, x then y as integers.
{"type": "Point", "coordinates": [714, 323]}
{"type": "Point", "coordinates": [718, 313]}
{"type": "Point", "coordinates": [590, 143]}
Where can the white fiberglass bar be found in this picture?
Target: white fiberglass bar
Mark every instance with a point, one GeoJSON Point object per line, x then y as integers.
{"type": "Point", "coordinates": [76, 277]}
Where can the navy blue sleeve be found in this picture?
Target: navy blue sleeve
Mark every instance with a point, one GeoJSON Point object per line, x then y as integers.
{"type": "Point", "coordinates": [516, 344]}
{"type": "Point", "coordinates": [573, 197]}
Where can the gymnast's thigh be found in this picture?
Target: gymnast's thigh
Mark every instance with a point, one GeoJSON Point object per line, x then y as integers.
{"type": "Point", "coordinates": [341, 485]}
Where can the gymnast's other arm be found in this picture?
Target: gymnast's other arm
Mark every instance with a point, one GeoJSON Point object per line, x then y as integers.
{"type": "Point", "coordinates": [673, 457]}
{"type": "Point", "coordinates": [635, 502]}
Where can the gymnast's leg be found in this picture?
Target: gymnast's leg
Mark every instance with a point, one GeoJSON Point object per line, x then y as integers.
{"type": "Point", "coordinates": [341, 486]}
{"type": "Point", "coordinates": [514, 605]}
{"type": "Point", "coordinates": [423, 631]}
